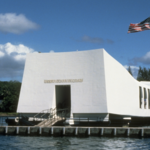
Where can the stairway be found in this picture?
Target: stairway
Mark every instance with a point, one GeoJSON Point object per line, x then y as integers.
{"type": "Point", "coordinates": [54, 117]}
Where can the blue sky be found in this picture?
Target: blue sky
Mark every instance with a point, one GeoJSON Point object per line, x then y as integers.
{"type": "Point", "coordinates": [28, 26]}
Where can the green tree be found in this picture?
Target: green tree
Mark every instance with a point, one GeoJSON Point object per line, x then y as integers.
{"type": "Point", "coordinates": [143, 74]}
{"type": "Point", "coordinates": [129, 70]}
{"type": "Point", "coordinates": [9, 93]}
{"type": "Point", "coordinates": [140, 73]}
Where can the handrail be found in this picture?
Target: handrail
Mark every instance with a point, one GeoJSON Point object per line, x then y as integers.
{"type": "Point", "coordinates": [53, 114]}
{"type": "Point", "coordinates": [56, 112]}
{"type": "Point", "coordinates": [40, 112]}
{"type": "Point", "coordinates": [85, 119]}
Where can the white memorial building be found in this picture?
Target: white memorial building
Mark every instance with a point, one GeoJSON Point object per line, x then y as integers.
{"type": "Point", "coordinates": [90, 83]}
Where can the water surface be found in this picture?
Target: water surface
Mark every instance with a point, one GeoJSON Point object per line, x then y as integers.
{"type": "Point", "coordinates": [72, 143]}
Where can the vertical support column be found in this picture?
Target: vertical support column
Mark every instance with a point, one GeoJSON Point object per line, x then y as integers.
{"type": "Point", "coordinates": [128, 132]}
{"type": "Point", "coordinates": [71, 120]}
{"type": "Point", "coordinates": [76, 131]}
{"type": "Point", "coordinates": [63, 130]}
{"type": "Point", "coordinates": [40, 130]}
{"type": "Point", "coordinates": [89, 131]}
{"type": "Point", "coordinates": [52, 130]}
{"type": "Point", "coordinates": [115, 131]}
{"type": "Point", "coordinates": [28, 130]}
{"type": "Point", "coordinates": [102, 131]}
{"type": "Point", "coordinates": [6, 130]}
{"type": "Point", "coordinates": [17, 130]}
{"type": "Point", "coordinates": [142, 132]}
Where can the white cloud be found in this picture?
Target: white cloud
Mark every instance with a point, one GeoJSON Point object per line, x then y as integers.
{"type": "Point", "coordinates": [132, 67]}
{"type": "Point", "coordinates": [1, 54]}
{"type": "Point", "coordinates": [144, 59]}
{"type": "Point", "coordinates": [51, 51]}
{"type": "Point", "coordinates": [20, 57]}
{"type": "Point", "coordinates": [12, 60]}
{"type": "Point", "coordinates": [17, 24]}
{"type": "Point", "coordinates": [20, 49]}
{"type": "Point", "coordinates": [95, 40]}
{"type": "Point", "coordinates": [134, 70]}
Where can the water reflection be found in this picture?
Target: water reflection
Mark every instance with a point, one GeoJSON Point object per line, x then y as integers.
{"type": "Point", "coordinates": [72, 143]}
{"type": "Point", "coordinates": [62, 143]}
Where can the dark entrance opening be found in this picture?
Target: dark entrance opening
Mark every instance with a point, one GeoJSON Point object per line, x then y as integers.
{"type": "Point", "coordinates": [63, 97]}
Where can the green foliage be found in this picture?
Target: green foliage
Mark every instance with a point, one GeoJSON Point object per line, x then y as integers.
{"type": "Point", "coordinates": [129, 70]}
{"type": "Point", "coordinates": [143, 74]}
{"type": "Point", "coordinates": [9, 93]}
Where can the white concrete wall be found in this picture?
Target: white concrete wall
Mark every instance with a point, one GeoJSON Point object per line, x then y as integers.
{"type": "Point", "coordinates": [122, 90]}
{"type": "Point", "coordinates": [88, 96]}
{"type": "Point", "coordinates": [107, 86]}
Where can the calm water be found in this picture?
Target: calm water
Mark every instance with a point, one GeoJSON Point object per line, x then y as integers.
{"type": "Point", "coordinates": [72, 143]}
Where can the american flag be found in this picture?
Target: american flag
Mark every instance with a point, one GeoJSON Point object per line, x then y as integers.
{"type": "Point", "coordinates": [144, 25]}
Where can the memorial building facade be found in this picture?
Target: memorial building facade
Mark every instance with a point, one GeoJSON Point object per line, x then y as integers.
{"type": "Point", "coordinates": [89, 83]}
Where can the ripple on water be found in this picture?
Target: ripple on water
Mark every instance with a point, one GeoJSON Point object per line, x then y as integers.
{"type": "Point", "coordinates": [71, 143]}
